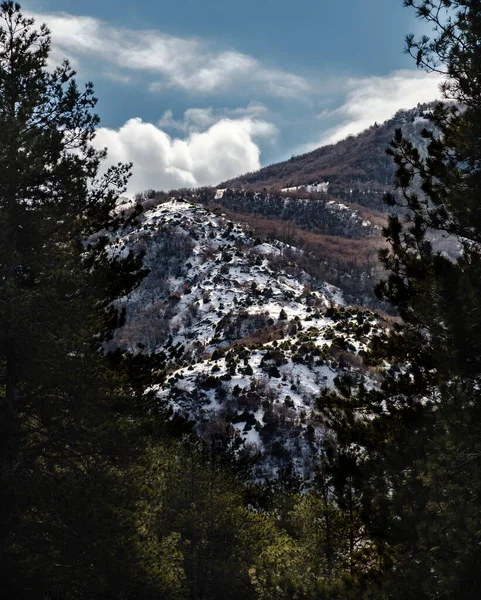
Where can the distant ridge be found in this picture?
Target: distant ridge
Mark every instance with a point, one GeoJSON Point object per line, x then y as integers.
{"type": "Point", "coordinates": [357, 168]}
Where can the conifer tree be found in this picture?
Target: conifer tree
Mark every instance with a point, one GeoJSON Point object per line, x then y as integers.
{"type": "Point", "coordinates": [421, 480]}
{"type": "Point", "coordinates": [68, 529]}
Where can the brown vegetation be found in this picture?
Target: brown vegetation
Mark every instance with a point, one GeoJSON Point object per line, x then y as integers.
{"type": "Point", "coordinates": [357, 167]}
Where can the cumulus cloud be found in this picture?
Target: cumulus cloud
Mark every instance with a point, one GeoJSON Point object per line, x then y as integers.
{"type": "Point", "coordinates": [184, 63]}
{"type": "Point", "coordinates": [374, 99]}
{"type": "Point", "coordinates": [225, 149]}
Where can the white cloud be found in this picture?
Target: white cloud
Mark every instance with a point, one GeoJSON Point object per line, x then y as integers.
{"type": "Point", "coordinates": [185, 63]}
{"type": "Point", "coordinates": [374, 99]}
{"type": "Point", "coordinates": [198, 119]}
{"type": "Point", "coordinates": [224, 150]}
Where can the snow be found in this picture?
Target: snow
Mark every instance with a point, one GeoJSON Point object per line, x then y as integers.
{"type": "Point", "coordinates": [321, 187]}
{"type": "Point", "coordinates": [422, 120]}
{"type": "Point", "coordinates": [223, 297]}
{"type": "Point", "coordinates": [333, 293]}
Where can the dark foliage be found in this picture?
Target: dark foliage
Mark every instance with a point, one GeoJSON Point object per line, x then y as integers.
{"type": "Point", "coordinates": [419, 473]}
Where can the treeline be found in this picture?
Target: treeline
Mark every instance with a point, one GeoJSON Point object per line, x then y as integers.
{"type": "Point", "coordinates": [316, 212]}
{"type": "Point", "coordinates": [319, 215]}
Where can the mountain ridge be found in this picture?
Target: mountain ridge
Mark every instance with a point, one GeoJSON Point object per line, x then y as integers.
{"type": "Point", "coordinates": [357, 168]}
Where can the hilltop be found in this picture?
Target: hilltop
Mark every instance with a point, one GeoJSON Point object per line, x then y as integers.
{"type": "Point", "coordinates": [356, 168]}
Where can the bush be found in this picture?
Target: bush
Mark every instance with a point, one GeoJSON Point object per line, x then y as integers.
{"type": "Point", "coordinates": [274, 372]}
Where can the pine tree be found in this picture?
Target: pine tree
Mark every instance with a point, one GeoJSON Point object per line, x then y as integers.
{"type": "Point", "coordinates": [68, 526]}
{"type": "Point", "coordinates": [421, 474]}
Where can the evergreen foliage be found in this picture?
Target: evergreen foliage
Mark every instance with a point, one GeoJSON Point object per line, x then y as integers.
{"type": "Point", "coordinates": [67, 524]}
{"type": "Point", "coordinates": [418, 473]}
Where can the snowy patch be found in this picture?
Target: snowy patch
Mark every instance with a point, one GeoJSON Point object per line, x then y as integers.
{"type": "Point", "coordinates": [248, 349]}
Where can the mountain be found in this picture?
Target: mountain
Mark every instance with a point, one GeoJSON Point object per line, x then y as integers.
{"type": "Point", "coordinates": [328, 203]}
{"type": "Point", "coordinates": [356, 168]}
{"type": "Point", "coordinates": [258, 294]}
{"type": "Point", "coordinates": [336, 242]}
{"type": "Point", "coordinates": [249, 341]}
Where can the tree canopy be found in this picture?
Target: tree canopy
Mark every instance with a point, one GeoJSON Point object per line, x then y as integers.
{"type": "Point", "coordinates": [63, 402]}
{"type": "Point", "coordinates": [419, 471]}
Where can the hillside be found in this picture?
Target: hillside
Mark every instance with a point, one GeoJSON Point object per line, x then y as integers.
{"type": "Point", "coordinates": [254, 296]}
{"type": "Point", "coordinates": [338, 226]}
{"type": "Point", "coordinates": [249, 341]}
{"type": "Point", "coordinates": [357, 168]}
{"type": "Point", "coordinates": [338, 241]}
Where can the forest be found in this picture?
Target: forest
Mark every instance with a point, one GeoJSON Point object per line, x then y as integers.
{"type": "Point", "coordinates": [106, 493]}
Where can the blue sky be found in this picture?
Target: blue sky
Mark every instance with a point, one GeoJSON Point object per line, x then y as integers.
{"type": "Point", "coordinates": [196, 91]}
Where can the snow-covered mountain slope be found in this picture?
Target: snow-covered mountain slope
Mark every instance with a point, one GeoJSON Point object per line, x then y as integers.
{"type": "Point", "coordinates": [248, 344]}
